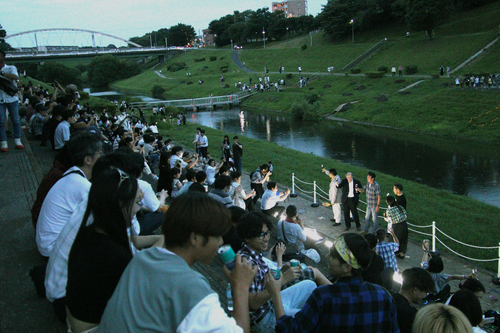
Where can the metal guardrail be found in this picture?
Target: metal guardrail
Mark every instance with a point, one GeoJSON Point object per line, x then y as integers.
{"type": "Point", "coordinates": [364, 54]}
{"type": "Point", "coordinates": [192, 102]}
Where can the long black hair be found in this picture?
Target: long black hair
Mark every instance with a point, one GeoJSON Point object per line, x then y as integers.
{"type": "Point", "coordinates": [111, 200]}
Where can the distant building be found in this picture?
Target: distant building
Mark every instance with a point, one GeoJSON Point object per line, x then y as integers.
{"type": "Point", "coordinates": [293, 8]}
{"type": "Point", "coordinates": [208, 38]}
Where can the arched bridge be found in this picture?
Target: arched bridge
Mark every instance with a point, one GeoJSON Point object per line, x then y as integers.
{"type": "Point", "coordinates": [92, 32]}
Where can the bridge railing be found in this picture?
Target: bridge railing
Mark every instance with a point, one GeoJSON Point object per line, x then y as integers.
{"type": "Point", "coordinates": [436, 234]}
{"type": "Point", "coordinates": [194, 102]}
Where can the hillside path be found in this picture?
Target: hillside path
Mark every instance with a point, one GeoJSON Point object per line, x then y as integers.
{"type": "Point", "coordinates": [236, 59]}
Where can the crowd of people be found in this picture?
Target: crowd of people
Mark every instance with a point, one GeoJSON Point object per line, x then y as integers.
{"type": "Point", "coordinates": [118, 254]}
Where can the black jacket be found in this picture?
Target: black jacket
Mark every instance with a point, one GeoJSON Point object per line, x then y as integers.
{"type": "Point", "coordinates": [345, 190]}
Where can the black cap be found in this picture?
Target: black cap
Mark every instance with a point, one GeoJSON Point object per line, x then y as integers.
{"type": "Point", "coordinates": [40, 107]}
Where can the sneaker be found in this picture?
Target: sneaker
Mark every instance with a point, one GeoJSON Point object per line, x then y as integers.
{"type": "Point", "coordinates": [346, 229]}
{"type": "Point", "coordinates": [358, 228]}
{"type": "Point", "coordinates": [3, 147]}
{"type": "Point", "coordinates": [18, 143]}
{"type": "Point", "coordinates": [19, 147]}
{"type": "Point", "coordinates": [4, 150]}
{"type": "Point", "coordinates": [337, 224]}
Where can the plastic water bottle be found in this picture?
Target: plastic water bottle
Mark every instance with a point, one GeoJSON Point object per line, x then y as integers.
{"type": "Point", "coordinates": [229, 297]}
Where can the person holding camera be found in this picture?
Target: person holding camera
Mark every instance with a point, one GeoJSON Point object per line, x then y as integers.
{"type": "Point", "coordinates": [270, 199]}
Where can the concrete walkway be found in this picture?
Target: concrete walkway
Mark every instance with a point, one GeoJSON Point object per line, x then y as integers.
{"type": "Point", "coordinates": [22, 311]}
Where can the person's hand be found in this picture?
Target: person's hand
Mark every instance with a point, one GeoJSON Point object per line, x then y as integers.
{"type": "Point", "coordinates": [291, 274]}
{"type": "Point", "coordinates": [242, 274]}
{"type": "Point", "coordinates": [253, 193]}
{"type": "Point", "coordinates": [326, 204]}
{"type": "Point", "coordinates": [273, 286]}
{"type": "Point", "coordinates": [377, 209]}
{"type": "Point", "coordinates": [280, 248]}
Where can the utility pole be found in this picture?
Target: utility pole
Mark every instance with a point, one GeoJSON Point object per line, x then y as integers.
{"type": "Point", "coordinates": [352, 25]}
{"type": "Point", "coordinates": [151, 40]}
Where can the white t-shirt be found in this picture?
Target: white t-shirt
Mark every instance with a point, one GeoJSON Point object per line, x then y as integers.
{"type": "Point", "coordinates": [238, 195]}
{"type": "Point", "coordinates": [5, 98]}
{"type": "Point", "coordinates": [174, 159]}
{"type": "Point", "coordinates": [58, 206]}
{"type": "Point", "coordinates": [62, 134]}
{"type": "Point", "coordinates": [150, 201]}
{"type": "Point", "coordinates": [210, 170]}
{"type": "Point", "coordinates": [269, 200]}
{"type": "Point", "coordinates": [203, 141]}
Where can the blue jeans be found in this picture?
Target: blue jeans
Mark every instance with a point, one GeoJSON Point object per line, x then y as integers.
{"type": "Point", "coordinates": [293, 298]}
{"type": "Point", "coordinates": [237, 165]}
{"type": "Point", "coordinates": [14, 116]}
{"type": "Point", "coordinates": [371, 214]}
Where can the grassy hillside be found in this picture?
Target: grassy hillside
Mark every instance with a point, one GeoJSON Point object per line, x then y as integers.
{"type": "Point", "coordinates": [434, 106]}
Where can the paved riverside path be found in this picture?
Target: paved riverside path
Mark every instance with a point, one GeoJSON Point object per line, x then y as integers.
{"type": "Point", "coordinates": [20, 308]}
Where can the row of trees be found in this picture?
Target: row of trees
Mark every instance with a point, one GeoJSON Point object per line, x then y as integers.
{"type": "Point", "coordinates": [248, 25]}
{"type": "Point", "coordinates": [177, 35]}
{"type": "Point", "coordinates": [419, 15]}
{"type": "Point", "coordinates": [101, 71]}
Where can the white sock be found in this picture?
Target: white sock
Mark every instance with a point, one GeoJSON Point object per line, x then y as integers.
{"type": "Point", "coordinates": [3, 144]}
{"type": "Point", "coordinates": [18, 142]}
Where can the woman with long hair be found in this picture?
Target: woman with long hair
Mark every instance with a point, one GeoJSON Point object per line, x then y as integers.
{"type": "Point", "coordinates": [396, 216]}
{"type": "Point", "coordinates": [165, 176]}
{"type": "Point", "coordinates": [101, 250]}
{"type": "Point", "coordinates": [226, 148]}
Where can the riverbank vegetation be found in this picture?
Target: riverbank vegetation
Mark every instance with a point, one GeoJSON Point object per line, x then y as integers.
{"type": "Point", "coordinates": [461, 217]}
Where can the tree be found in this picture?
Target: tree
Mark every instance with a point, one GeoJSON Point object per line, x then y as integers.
{"type": "Point", "coordinates": [107, 68]}
{"type": "Point", "coordinates": [335, 18]}
{"type": "Point", "coordinates": [427, 15]}
{"type": "Point", "coordinates": [55, 71]}
{"type": "Point", "coordinates": [157, 91]}
{"type": "Point", "coordinates": [181, 34]}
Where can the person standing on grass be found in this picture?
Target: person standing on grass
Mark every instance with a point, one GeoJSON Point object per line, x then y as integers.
{"type": "Point", "coordinates": [237, 154]}
{"type": "Point", "coordinates": [400, 196]}
{"type": "Point", "coordinates": [393, 71]}
{"type": "Point", "coordinates": [9, 102]}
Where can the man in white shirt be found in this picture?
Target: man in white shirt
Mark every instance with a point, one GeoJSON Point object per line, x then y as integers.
{"type": "Point", "coordinates": [9, 101]}
{"type": "Point", "coordinates": [270, 199]}
{"type": "Point", "coordinates": [84, 150]}
{"type": "Point", "coordinates": [203, 143]}
{"type": "Point", "coordinates": [335, 196]}
{"type": "Point", "coordinates": [62, 134]}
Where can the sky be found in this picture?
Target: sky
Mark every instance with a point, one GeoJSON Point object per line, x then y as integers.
{"type": "Point", "coordinates": [123, 18]}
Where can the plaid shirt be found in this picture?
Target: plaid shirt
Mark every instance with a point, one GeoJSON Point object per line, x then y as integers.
{"type": "Point", "coordinates": [394, 215]}
{"type": "Point", "coordinates": [348, 305]}
{"type": "Point", "coordinates": [386, 251]}
{"type": "Point", "coordinates": [372, 193]}
{"type": "Point", "coordinates": [258, 283]}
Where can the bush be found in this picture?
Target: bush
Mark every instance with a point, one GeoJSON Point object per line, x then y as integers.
{"type": "Point", "coordinates": [311, 99]}
{"type": "Point", "coordinates": [411, 69]}
{"type": "Point", "coordinates": [213, 58]}
{"type": "Point", "coordinates": [224, 70]}
{"type": "Point", "coordinates": [176, 66]}
{"type": "Point", "coordinates": [383, 69]}
{"type": "Point", "coordinates": [199, 59]}
{"type": "Point", "coordinates": [435, 76]}
{"type": "Point", "coordinates": [355, 70]}
{"type": "Point", "coordinates": [289, 76]}
{"type": "Point", "coordinates": [374, 75]}
{"type": "Point", "coordinates": [302, 110]}
{"type": "Point", "coordinates": [157, 91]}
{"type": "Point", "coordinates": [303, 47]}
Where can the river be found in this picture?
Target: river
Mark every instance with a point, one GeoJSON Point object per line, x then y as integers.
{"type": "Point", "coordinates": [464, 168]}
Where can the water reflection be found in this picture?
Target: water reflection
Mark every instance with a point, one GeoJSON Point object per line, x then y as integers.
{"type": "Point", "coordinates": [463, 168]}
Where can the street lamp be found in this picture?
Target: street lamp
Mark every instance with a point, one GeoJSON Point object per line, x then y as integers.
{"type": "Point", "coordinates": [264, 36]}
{"type": "Point", "coordinates": [352, 26]}
{"type": "Point", "coordinates": [286, 35]}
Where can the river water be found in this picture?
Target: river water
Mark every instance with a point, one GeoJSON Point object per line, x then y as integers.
{"type": "Point", "coordinates": [464, 168]}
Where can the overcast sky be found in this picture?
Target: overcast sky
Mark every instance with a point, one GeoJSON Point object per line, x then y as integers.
{"type": "Point", "coordinates": [124, 18]}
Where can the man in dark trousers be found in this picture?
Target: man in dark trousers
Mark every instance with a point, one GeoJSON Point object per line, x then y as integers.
{"type": "Point", "coordinates": [350, 200]}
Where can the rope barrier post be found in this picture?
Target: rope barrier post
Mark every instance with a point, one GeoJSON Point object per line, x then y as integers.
{"type": "Point", "coordinates": [498, 274]}
{"type": "Point", "coordinates": [293, 194]}
{"type": "Point", "coordinates": [315, 203]}
{"type": "Point", "coordinates": [433, 236]}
